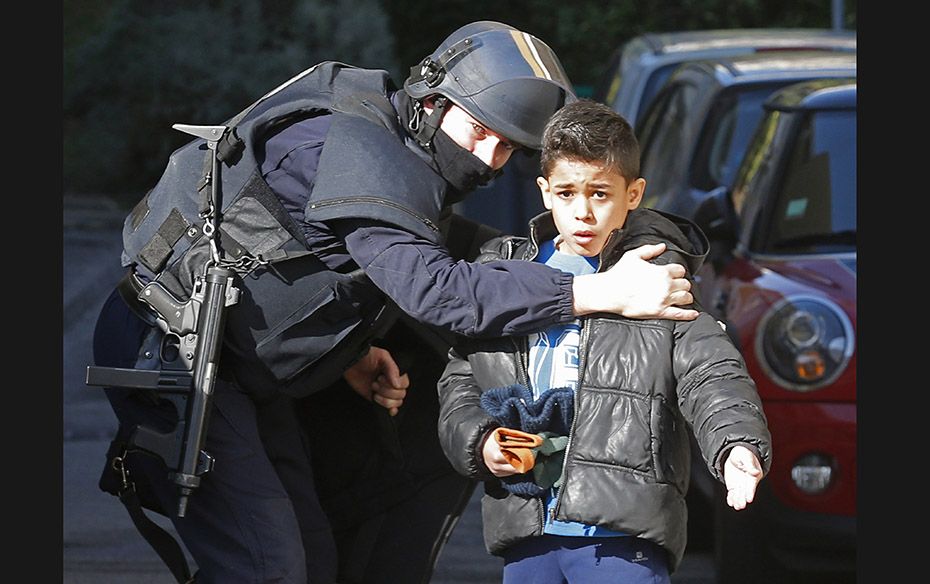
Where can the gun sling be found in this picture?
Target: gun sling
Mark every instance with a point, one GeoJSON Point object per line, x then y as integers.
{"type": "Point", "coordinates": [117, 480]}
{"type": "Point", "coordinates": [164, 544]}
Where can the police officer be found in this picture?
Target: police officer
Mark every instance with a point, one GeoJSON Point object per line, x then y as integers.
{"type": "Point", "coordinates": [359, 178]}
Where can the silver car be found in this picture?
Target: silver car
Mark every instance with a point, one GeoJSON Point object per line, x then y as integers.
{"type": "Point", "coordinates": [642, 65]}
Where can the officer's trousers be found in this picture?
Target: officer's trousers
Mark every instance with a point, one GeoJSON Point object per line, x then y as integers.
{"type": "Point", "coordinates": [255, 518]}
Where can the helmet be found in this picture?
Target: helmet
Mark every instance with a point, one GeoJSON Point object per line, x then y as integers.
{"type": "Point", "coordinates": [506, 79]}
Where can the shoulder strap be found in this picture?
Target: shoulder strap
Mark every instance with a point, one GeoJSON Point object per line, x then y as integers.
{"type": "Point", "coordinates": [117, 481]}
{"type": "Point", "coordinates": [164, 544]}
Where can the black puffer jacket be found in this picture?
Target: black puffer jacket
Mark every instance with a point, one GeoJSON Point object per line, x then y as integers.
{"type": "Point", "coordinates": [642, 385]}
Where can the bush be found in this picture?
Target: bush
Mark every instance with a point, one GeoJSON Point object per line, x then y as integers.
{"type": "Point", "coordinates": [153, 64]}
{"type": "Point", "coordinates": [135, 67]}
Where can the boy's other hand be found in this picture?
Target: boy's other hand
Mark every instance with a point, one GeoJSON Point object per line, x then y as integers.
{"type": "Point", "coordinates": [494, 459]}
{"type": "Point", "coordinates": [635, 288]}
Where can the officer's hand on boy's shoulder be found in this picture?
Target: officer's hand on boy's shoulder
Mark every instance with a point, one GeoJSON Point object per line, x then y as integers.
{"type": "Point", "coordinates": [635, 288]}
{"type": "Point", "coordinates": [741, 473]}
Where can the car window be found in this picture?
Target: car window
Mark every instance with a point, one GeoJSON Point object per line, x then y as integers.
{"type": "Point", "coordinates": [610, 93]}
{"type": "Point", "coordinates": [608, 83]}
{"type": "Point", "coordinates": [726, 136]}
{"type": "Point", "coordinates": [815, 210]}
{"type": "Point", "coordinates": [663, 141]}
{"type": "Point", "coordinates": [758, 154]}
{"type": "Point", "coordinates": [655, 82]}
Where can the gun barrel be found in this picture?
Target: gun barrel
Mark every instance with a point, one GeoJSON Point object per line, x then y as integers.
{"type": "Point", "coordinates": [210, 325]}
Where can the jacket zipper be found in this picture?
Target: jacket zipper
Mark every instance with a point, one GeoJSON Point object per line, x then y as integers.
{"type": "Point", "coordinates": [386, 202]}
{"type": "Point", "coordinates": [601, 262]}
{"type": "Point", "coordinates": [521, 348]}
{"type": "Point", "coordinates": [582, 354]}
{"type": "Point", "coordinates": [523, 373]}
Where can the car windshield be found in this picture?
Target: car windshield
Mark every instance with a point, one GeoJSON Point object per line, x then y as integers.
{"type": "Point", "coordinates": [727, 136]}
{"type": "Point", "coordinates": [815, 210]}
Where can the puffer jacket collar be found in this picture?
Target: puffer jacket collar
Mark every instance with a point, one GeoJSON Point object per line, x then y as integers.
{"type": "Point", "coordinates": [684, 239]}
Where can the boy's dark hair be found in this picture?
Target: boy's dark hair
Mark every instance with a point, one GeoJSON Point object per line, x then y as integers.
{"type": "Point", "coordinates": [590, 131]}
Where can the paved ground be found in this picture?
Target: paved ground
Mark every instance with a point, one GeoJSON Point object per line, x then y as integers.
{"type": "Point", "coordinates": [100, 545]}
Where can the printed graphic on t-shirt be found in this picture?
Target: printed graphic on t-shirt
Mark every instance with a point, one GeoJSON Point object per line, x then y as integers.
{"type": "Point", "coordinates": [554, 358]}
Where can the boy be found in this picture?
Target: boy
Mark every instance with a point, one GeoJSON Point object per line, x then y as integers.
{"type": "Point", "coordinates": [613, 397]}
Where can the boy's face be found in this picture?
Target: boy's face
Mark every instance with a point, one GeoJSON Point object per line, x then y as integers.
{"type": "Point", "coordinates": [588, 201]}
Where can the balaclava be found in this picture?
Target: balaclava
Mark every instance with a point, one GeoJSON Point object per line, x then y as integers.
{"type": "Point", "coordinates": [462, 170]}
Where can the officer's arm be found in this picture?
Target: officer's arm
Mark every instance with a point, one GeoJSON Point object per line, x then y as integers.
{"type": "Point", "coordinates": [504, 297]}
{"type": "Point", "coordinates": [489, 299]}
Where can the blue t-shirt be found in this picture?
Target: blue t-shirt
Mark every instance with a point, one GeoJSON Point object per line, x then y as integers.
{"type": "Point", "coordinates": [553, 363]}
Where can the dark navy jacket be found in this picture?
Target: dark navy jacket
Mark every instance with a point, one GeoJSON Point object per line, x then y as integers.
{"type": "Point", "coordinates": [493, 299]}
{"type": "Point", "coordinates": [370, 205]}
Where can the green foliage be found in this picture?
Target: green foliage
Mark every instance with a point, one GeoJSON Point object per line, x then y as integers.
{"type": "Point", "coordinates": [149, 65]}
{"type": "Point", "coordinates": [584, 34]}
{"type": "Point", "coordinates": [132, 68]}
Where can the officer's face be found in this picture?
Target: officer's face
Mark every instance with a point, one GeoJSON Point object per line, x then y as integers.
{"type": "Point", "coordinates": [489, 146]}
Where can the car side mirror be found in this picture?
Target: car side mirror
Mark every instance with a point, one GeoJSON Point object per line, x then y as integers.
{"type": "Point", "coordinates": [717, 218]}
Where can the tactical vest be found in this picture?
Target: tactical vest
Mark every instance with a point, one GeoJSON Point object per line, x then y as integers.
{"type": "Point", "coordinates": [292, 312]}
{"type": "Point", "coordinates": [163, 235]}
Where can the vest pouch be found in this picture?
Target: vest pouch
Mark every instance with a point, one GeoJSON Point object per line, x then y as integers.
{"type": "Point", "coordinates": [111, 478]}
{"type": "Point", "coordinates": [250, 226]}
{"type": "Point", "coordinates": [291, 315]}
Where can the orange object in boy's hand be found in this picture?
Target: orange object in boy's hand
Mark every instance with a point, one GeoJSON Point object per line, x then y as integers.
{"type": "Point", "coordinates": [516, 446]}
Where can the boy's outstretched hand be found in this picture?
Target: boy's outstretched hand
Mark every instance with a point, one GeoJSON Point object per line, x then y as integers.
{"type": "Point", "coordinates": [741, 473]}
{"type": "Point", "coordinates": [635, 288]}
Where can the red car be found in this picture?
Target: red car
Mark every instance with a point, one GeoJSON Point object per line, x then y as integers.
{"type": "Point", "coordinates": [782, 278]}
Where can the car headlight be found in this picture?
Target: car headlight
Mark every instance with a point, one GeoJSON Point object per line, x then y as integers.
{"type": "Point", "coordinates": [804, 342]}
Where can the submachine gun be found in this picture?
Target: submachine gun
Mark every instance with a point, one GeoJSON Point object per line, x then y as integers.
{"type": "Point", "coordinates": [189, 349]}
